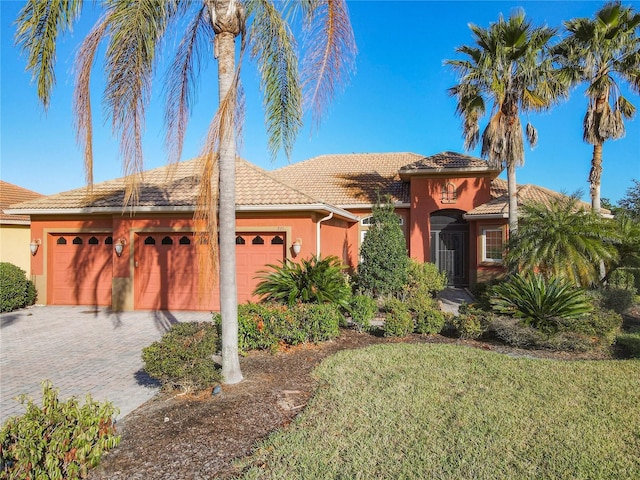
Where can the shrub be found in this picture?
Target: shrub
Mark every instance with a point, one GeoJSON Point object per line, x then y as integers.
{"type": "Point", "coordinates": [424, 279]}
{"type": "Point", "coordinates": [363, 309]}
{"type": "Point", "coordinates": [314, 280]}
{"type": "Point", "coordinates": [426, 313]}
{"type": "Point", "coordinates": [470, 323]}
{"type": "Point", "coordinates": [596, 330]}
{"type": "Point", "coordinates": [183, 357]}
{"type": "Point", "coordinates": [540, 302]}
{"type": "Point", "coordinates": [59, 440]}
{"type": "Point", "coordinates": [635, 271]}
{"type": "Point", "coordinates": [266, 326]}
{"type": "Point", "coordinates": [15, 290]}
{"type": "Point", "coordinates": [383, 269]}
{"type": "Point", "coordinates": [629, 343]}
{"type": "Point", "coordinates": [398, 321]}
{"type": "Point", "coordinates": [617, 299]}
{"type": "Point", "coordinates": [623, 278]}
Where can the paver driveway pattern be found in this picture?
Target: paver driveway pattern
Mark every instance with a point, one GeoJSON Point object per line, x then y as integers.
{"type": "Point", "coordinates": [80, 350]}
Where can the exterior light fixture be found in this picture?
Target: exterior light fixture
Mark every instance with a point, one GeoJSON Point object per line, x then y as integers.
{"type": "Point", "coordinates": [33, 246]}
{"type": "Point", "coordinates": [120, 246]}
{"type": "Point", "coordinates": [297, 245]}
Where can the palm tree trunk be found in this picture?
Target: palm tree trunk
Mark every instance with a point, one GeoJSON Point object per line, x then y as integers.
{"type": "Point", "coordinates": [512, 190]}
{"type": "Point", "coordinates": [594, 177]}
{"type": "Point", "coordinates": [226, 32]}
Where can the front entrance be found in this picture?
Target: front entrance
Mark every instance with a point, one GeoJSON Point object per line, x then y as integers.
{"type": "Point", "coordinates": [449, 240]}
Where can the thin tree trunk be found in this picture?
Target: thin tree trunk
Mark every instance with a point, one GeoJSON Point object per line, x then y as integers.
{"type": "Point", "coordinates": [512, 190]}
{"type": "Point", "coordinates": [227, 219]}
{"type": "Point", "coordinates": [594, 177]}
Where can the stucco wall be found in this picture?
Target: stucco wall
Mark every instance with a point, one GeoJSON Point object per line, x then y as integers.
{"type": "Point", "coordinates": [14, 246]}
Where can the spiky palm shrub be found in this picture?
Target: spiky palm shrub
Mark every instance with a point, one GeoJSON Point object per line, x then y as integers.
{"type": "Point", "coordinates": [561, 239]}
{"type": "Point", "coordinates": [313, 280]}
{"type": "Point", "coordinates": [541, 303]}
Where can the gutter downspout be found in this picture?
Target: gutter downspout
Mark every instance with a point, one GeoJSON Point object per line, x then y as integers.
{"type": "Point", "coordinates": [328, 217]}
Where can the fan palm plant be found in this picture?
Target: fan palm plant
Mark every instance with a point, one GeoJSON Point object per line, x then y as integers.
{"type": "Point", "coordinates": [562, 239]}
{"type": "Point", "coordinates": [135, 33]}
{"type": "Point", "coordinates": [602, 52]}
{"type": "Point", "coordinates": [509, 69]}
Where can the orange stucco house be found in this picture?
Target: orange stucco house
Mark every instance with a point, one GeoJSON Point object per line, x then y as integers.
{"type": "Point", "coordinates": [93, 252]}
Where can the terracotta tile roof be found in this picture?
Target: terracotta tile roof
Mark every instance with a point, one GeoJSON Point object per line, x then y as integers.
{"type": "Point", "coordinates": [175, 186]}
{"type": "Point", "coordinates": [446, 161]}
{"type": "Point", "coordinates": [10, 194]}
{"type": "Point", "coordinates": [499, 206]}
{"type": "Point", "coordinates": [351, 179]}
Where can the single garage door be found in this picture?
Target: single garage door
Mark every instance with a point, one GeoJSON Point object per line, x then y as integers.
{"type": "Point", "coordinates": [167, 272]}
{"type": "Point", "coordinates": [81, 269]}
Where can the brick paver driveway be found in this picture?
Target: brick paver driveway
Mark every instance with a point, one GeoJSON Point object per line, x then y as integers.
{"type": "Point", "coordinates": [81, 350]}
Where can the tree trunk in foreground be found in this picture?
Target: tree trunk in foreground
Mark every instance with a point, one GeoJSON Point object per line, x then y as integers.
{"type": "Point", "coordinates": [227, 218]}
{"type": "Point", "coordinates": [594, 177]}
{"type": "Point", "coordinates": [512, 190]}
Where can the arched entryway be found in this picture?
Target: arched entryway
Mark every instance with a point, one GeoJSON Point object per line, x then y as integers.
{"type": "Point", "coordinates": [449, 245]}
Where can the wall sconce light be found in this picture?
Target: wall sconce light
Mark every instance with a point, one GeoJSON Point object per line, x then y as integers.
{"type": "Point", "coordinates": [33, 246]}
{"type": "Point", "coordinates": [297, 245]}
{"type": "Point", "coordinates": [120, 246]}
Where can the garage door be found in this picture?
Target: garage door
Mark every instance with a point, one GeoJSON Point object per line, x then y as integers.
{"type": "Point", "coordinates": [167, 272]}
{"type": "Point", "coordinates": [81, 269]}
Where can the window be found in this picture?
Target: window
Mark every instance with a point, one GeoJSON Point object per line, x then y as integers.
{"type": "Point", "coordinates": [184, 240]}
{"type": "Point", "coordinates": [149, 241]}
{"type": "Point", "coordinates": [77, 241]}
{"type": "Point", "coordinates": [167, 240]}
{"type": "Point", "coordinates": [93, 241]}
{"type": "Point", "coordinates": [240, 240]}
{"type": "Point", "coordinates": [449, 193]}
{"type": "Point", "coordinates": [277, 241]}
{"type": "Point", "coordinates": [61, 241]}
{"type": "Point", "coordinates": [492, 245]}
{"type": "Point", "coordinates": [258, 240]}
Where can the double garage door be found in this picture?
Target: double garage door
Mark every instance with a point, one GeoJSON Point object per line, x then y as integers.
{"type": "Point", "coordinates": [166, 273]}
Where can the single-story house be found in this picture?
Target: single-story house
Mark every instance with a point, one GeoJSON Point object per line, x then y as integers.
{"type": "Point", "coordinates": [15, 230]}
{"type": "Point", "coordinates": [452, 208]}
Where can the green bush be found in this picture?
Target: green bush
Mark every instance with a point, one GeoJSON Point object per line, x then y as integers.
{"type": "Point", "coordinates": [426, 313]}
{"type": "Point", "coordinates": [59, 440]}
{"type": "Point", "coordinates": [314, 280]}
{"type": "Point", "coordinates": [384, 266]}
{"type": "Point", "coordinates": [363, 309]}
{"type": "Point", "coordinates": [542, 303]}
{"type": "Point", "coordinates": [629, 343]}
{"type": "Point", "coordinates": [593, 331]}
{"type": "Point", "coordinates": [635, 271]}
{"type": "Point", "coordinates": [398, 321]}
{"type": "Point", "coordinates": [424, 279]}
{"type": "Point", "coordinates": [266, 326]}
{"type": "Point", "coordinates": [623, 278]}
{"type": "Point", "coordinates": [617, 299]}
{"type": "Point", "coordinates": [15, 290]}
{"type": "Point", "coordinates": [183, 357]}
{"type": "Point", "coordinates": [470, 323]}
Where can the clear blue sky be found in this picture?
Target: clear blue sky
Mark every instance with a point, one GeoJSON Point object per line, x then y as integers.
{"type": "Point", "coordinates": [397, 101]}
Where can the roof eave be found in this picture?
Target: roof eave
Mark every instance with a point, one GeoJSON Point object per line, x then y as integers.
{"type": "Point", "coordinates": [485, 216]}
{"type": "Point", "coordinates": [405, 175]}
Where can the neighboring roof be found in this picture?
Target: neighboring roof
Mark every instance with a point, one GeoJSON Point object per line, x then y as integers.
{"type": "Point", "coordinates": [175, 188]}
{"type": "Point", "coordinates": [353, 179]}
{"type": "Point", "coordinates": [10, 194]}
{"type": "Point", "coordinates": [498, 207]}
{"type": "Point", "coordinates": [447, 163]}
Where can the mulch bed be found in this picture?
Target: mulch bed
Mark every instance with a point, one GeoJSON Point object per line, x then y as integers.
{"type": "Point", "coordinates": [178, 436]}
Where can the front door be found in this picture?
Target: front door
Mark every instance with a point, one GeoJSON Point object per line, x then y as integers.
{"type": "Point", "coordinates": [449, 240]}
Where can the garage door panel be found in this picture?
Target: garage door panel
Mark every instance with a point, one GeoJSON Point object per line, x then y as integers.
{"type": "Point", "coordinates": [81, 269]}
{"type": "Point", "coordinates": [168, 273]}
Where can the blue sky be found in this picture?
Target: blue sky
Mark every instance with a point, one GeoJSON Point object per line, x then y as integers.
{"type": "Point", "coordinates": [397, 101]}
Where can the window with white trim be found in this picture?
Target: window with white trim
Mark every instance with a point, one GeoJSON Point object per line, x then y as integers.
{"type": "Point", "coordinates": [492, 245]}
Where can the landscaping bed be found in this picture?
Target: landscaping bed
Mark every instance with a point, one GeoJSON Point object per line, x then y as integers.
{"type": "Point", "coordinates": [187, 436]}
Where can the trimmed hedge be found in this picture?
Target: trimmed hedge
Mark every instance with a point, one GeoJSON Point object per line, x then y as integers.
{"type": "Point", "coordinates": [183, 357]}
{"type": "Point", "coordinates": [267, 326]}
{"type": "Point", "coordinates": [398, 321]}
{"type": "Point", "coordinates": [16, 291]}
{"type": "Point", "coordinates": [363, 309]}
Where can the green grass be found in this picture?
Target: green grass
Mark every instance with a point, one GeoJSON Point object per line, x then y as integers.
{"type": "Point", "coordinates": [408, 411]}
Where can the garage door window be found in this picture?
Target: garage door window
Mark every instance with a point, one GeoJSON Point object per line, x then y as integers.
{"type": "Point", "coordinates": [167, 241]}
{"type": "Point", "coordinates": [258, 240]}
{"type": "Point", "coordinates": [149, 241]}
{"type": "Point", "coordinates": [240, 240]}
{"type": "Point", "coordinates": [184, 241]}
{"type": "Point", "coordinates": [61, 241]}
{"type": "Point", "coordinates": [277, 241]}
{"type": "Point", "coordinates": [77, 241]}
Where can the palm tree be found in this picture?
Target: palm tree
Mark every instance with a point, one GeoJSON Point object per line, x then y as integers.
{"type": "Point", "coordinates": [510, 69]}
{"type": "Point", "coordinates": [134, 33]}
{"type": "Point", "coordinates": [564, 240]}
{"type": "Point", "coordinates": [602, 52]}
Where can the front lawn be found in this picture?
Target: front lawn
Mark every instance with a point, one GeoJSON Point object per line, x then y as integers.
{"type": "Point", "coordinates": [445, 411]}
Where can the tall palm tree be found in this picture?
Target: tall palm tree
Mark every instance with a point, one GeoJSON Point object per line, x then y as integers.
{"type": "Point", "coordinates": [134, 34]}
{"type": "Point", "coordinates": [562, 239]}
{"type": "Point", "coordinates": [508, 68]}
{"type": "Point", "coordinates": [601, 52]}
